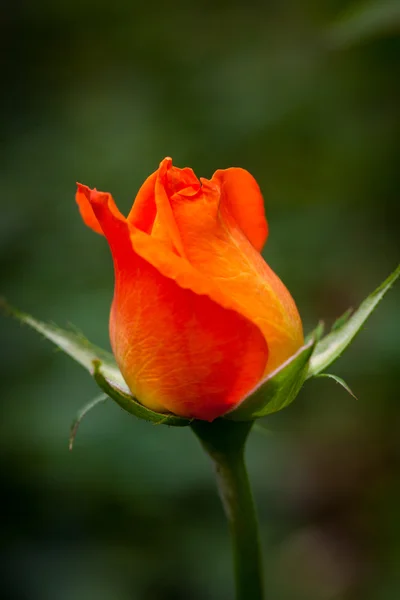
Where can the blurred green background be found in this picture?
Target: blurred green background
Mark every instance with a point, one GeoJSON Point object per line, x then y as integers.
{"type": "Point", "coordinates": [304, 94]}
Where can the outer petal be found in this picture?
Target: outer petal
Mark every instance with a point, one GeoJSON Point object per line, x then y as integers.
{"type": "Point", "coordinates": [180, 343]}
{"type": "Point", "coordinates": [241, 196]}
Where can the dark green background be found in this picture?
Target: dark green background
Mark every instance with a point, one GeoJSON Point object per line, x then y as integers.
{"type": "Point", "coordinates": [306, 96]}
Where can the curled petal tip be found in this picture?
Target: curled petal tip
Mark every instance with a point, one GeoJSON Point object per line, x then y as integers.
{"type": "Point", "coordinates": [166, 162]}
{"type": "Point", "coordinates": [165, 166]}
{"type": "Point", "coordinates": [92, 195]}
{"type": "Point", "coordinates": [97, 197]}
{"type": "Point", "coordinates": [91, 203]}
{"type": "Point", "coordinates": [83, 189]}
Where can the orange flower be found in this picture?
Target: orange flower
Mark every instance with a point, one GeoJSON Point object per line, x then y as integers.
{"type": "Point", "coordinates": [198, 317]}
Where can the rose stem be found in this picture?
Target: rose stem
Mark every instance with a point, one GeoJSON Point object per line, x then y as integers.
{"type": "Point", "coordinates": [224, 441]}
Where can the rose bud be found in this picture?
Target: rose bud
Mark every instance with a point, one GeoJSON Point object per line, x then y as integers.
{"type": "Point", "coordinates": [198, 317]}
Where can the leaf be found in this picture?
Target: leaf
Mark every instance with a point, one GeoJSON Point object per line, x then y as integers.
{"type": "Point", "coordinates": [333, 344]}
{"type": "Point", "coordinates": [81, 413]}
{"type": "Point", "coordinates": [338, 380]}
{"type": "Point", "coordinates": [100, 364]}
{"type": "Point", "coordinates": [277, 390]}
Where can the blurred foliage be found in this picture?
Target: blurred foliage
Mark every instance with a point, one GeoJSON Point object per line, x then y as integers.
{"type": "Point", "coordinates": [306, 96]}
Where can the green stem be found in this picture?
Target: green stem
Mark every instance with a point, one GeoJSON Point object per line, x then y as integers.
{"type": "Point", "coordinates": [224, 441]}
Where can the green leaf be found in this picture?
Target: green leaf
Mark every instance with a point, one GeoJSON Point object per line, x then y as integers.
{"type": "Point", "coordinates": [81, 414]}
{"type": "Point", "coordinates": [100, 364]}
{"type": "Point", "coordinates": [338, 380]}
{"type": "Point", "coordinates": [333, 344]}
{"type": "Point", "coordinates": [277, 390]}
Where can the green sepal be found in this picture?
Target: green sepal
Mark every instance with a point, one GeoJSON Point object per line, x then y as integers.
{"type": "Point", "coordinates": [345, 329]}
{"type": "Point", "coordinates": [131, 405]}
{"type": "Point", "coordinates": [340, 321]}
{"type": "Point", "coordinates": [72, 343]}
{"type": "Point", "coordinates": [316, 334]}
{"type": "Point", "coordinates": [338, 380]}
{"type": "Point", "coordinates": [81, 414]}
{"type": "Point", "coordinates": [277, 390]}
{"type": "Point", "coordinates": [100, 364]}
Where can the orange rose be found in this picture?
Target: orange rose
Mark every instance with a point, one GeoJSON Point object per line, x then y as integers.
{"type": "Point", "coordinates": [198, 317]}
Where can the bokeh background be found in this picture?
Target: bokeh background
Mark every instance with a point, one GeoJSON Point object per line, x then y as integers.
{"type": "Point", "coordinates": [304, 94]}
